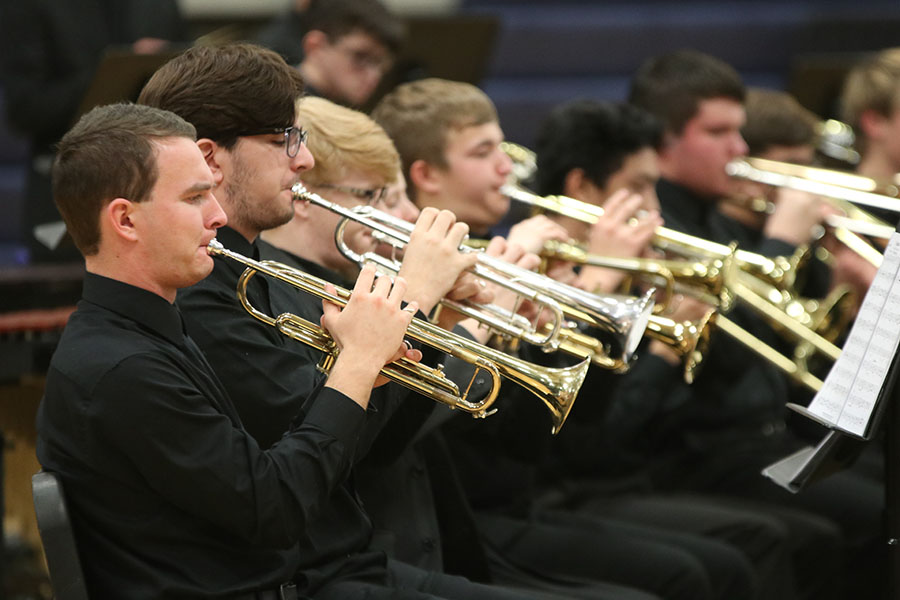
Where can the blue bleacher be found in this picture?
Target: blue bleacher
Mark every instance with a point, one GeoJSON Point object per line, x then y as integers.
{"type": "Point", "coordinates": [13, 160]}
{"type": "Point", "coordinates": [548, 52]}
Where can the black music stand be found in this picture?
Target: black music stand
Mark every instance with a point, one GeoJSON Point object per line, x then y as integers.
{"type": "Point", "coordinates": [120, 77]}
{"type": "Point", "coordinates": [454, 47]}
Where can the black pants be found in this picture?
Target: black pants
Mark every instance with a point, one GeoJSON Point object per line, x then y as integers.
{"type": "Point", "coordinates": [795, 554]}
{"type": "Point", "coordinates": [853, 501]}
{"type": "Point", "coordinates": [666, 564]}
{"type": "Point", "coordinates": [405, 582]}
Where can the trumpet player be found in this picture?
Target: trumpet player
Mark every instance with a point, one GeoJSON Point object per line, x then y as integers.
{"type": "Point", "coordinates": [601, 153]}
{"type": "Point", "coordinates": [870, 104]}
{"type": "Point", "coordinates": [168, 493]}
{"type": "Point", "coordinates": [448, 136]}
{"type": "Point", "coordinates": [739, 427]}
{"type": "Point", "coordinates": [778, 128]}
{"type": "Point", "coordinates": [242, 100]}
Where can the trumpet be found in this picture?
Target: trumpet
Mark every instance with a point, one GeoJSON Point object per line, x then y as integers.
{"type": "Point", "coordinates": [557, 388]}
{"type": "Point", "coordinates": [689, 340]}
{"type": "Point", "coordinates": [780, 271]}
{"type": "Point", "coordinates": [625, 318]}
{"type": "Point", "coordinates": [839, 189]}
{"type": "Point", "coordinates": [702, 278]}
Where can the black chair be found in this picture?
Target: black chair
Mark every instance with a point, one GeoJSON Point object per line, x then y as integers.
{"type": "Point", "coordinates": [66, 575]}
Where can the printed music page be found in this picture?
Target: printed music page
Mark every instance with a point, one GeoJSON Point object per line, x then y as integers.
{"type": "Point", "coordinates": [854, 385]}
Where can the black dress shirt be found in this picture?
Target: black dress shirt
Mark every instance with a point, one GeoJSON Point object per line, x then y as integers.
{"type": "Point", "coordinates": [169, 495]}
{"type": "Point", "coordinates": [406, 480]}
{"type": "Point", "coordinates": [747, 392]}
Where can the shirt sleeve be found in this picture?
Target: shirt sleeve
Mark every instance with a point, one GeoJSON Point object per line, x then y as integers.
{"type": "Point", "coordinates": [193, 454]}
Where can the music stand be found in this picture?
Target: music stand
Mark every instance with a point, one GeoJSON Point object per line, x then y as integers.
{"type": "Point", "coordinates": [120, 77]}
{"type": "Point", "coordinates": [454, 47]}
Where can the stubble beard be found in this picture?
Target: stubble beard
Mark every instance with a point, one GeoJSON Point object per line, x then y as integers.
{"type": "Point", "coordinates": [247, 211]}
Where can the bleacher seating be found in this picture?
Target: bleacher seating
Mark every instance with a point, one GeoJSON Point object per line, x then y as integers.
{"type": "Point", "coordinates": [13, 157]}
{"type": "Point", "coordinates": [549, 52]}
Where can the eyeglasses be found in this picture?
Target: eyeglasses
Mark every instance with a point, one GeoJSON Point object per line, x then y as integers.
{"type": "Point", "coordinates": [363, 59]}
{"type": "Point", "coordinates": [293, 137]}
{"type": "Point", "coordinates": [368, 195]}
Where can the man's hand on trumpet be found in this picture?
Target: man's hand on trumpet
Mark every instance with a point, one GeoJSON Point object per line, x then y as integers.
{"type": "Point", "coordinates": [369, 332]}
{"type": "Point", "coordinates": [432, 262]}
{"type": "Point", "coordinates": [796, 217]}
{"type": "Point", "coordinates": [619, 232]}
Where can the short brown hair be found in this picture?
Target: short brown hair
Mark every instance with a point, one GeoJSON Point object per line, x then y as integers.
{"type": "Point", "coordinates": [775, 118]}
{"type": "Point", "coordinates": [341, 138]}
{"type": "Point", "coordinates": [672, 86]}
{"type": "Point", "coordinates": [873, 84]}
{"type": "Point", "coordinates": [418, 115]}
{"type": "Point", "coordinates": [109, 154]}
{"type": "Point", "coordinates": [337, 18]}
{"type": "Point", "coordinates": [227, 91]}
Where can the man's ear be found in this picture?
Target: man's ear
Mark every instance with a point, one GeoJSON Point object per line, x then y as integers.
{"type": "Point", "coordinates": [573, 183]}
{"type": "Point", "coordinates": [117, 219]}
{"type": "Point", "coordinates": [212, 153]}
{"type": "Point", "coordinates": [423, 176]}
{"type": "Point", "coordinates": [578, 185]}
{"type": "Point", "coordinates": [871, 122]}
{"type": "Point", "coordinates": [313, 40]}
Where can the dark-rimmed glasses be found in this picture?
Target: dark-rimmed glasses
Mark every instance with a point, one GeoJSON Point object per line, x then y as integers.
{"type": "Point", "coordinates": [293, 137]}
{"type": "Point", "coordinates": [367, 195]}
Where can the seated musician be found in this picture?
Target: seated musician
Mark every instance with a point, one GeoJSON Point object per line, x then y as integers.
{"type": "Point", "coordinates": [242, 100]}
{"type": "Point", "coordinates": [600, 153]}
{"type": "Point", "coordinates": [738, 426]}
{"type": "Point", "coordinates": [448, 136]}
{"type": "Point", "coordinates": [169, 495]}
{"type": "Point", "coordinates": [870, 104]}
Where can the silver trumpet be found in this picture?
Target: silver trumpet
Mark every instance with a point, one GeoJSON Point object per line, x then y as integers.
{"type": "Point", "coordinates": [624, 317]}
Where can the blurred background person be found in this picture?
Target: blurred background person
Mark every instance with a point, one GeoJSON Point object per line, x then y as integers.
{"type": "Point", "coordinates": [50, 52]}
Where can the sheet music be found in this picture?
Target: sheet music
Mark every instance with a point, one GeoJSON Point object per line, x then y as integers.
{"type": "Point", "coordinates": [852, 387]}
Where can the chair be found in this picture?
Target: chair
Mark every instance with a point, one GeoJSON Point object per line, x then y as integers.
{"type": "Point", "coordinates": [66, 575]}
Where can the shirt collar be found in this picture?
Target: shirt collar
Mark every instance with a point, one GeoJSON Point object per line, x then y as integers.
{"type": "Point", "coordinates": [235, 242]}
{"type": "Point", "coordinates": [268, 251]}
{"type": "Point", "coordinates": [140, 305]}
{"type": "Point", "coordinates": [681, 207]}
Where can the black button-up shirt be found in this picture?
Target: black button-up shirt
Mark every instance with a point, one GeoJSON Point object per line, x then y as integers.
{"type": "Point", "coordinates": [747, 390]}
{"type": "Point", "coordinates": [169, 495]}
{"type": "Point", "coordinates": [270, 376]}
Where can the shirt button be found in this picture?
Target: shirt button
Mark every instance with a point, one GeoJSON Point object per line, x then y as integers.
{"type": "Point", "coordinates": [418, 471]}
{"type": "Point", "coordinates": [428, 544]}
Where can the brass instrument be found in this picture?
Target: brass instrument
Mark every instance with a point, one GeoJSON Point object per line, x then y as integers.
{"type": "Point", "coordinates": [625, 318]}
{"type": "Point", "coordinates": [780, 271]}
{"type": "Point", "coordinates": [841, 190]}
{"type": "Point", "coordinates": [836, 140]}
{"type": "Point", "coordinates": [689, 340]}
{"type": "Point", "coordinates": [556, 388]}
{"type": "Point", "coordinates": [792, 368]}
{"type": "Point", "coordinates": [703, 278]}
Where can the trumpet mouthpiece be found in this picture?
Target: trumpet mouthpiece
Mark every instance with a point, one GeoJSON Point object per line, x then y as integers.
{"type": "Point", "coordinates": [299, 191]}
{"type": "Point", "coordinates": [214, 246]}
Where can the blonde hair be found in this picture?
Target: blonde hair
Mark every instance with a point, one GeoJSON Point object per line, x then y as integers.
{"type": "Point", "coordinates": [342, 139]}
{"type": "Point", "coordinates": [873, 84]}
{"type": "Point", "coordinates": [418, 115]}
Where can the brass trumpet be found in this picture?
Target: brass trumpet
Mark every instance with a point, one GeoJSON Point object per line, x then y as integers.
{"type": "Point", "coordinates": [689, 339]}
{"type": "Point", "coordinates": [841, 190]}
{"type": "Point", "coordinates": [780, 271]}
{"type": "Point", "coordinates": [625, 318]}
{"type": "Point", "coordinates": [702, 278]}
{"type": "Point", "coordinates": [556, 388]}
